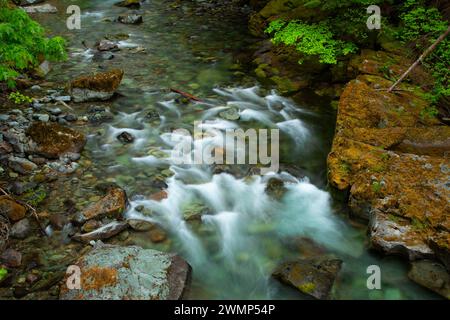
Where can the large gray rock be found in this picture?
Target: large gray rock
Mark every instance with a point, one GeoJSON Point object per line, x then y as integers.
{"type": "Point", "coordinates": [129, 273]}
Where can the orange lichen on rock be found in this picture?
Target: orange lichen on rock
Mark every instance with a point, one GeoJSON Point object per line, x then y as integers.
{"type": "Point", "coordinates": [96, 278]}
{"type": "Point", "coordinates": [106, 81]}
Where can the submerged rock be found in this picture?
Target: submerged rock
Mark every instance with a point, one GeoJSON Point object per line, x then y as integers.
{"type": "Point", "coordinates": [129, 273]}
{"type": "Point", "coordinates": [112, 205]}
{"type": "Point", "coordinates": [100, 86]}
{"type": "Point", "coordinates": [313, 277]}
{"type": "Point", "coordinates": [131, 4]}
{"type": "Point", "coordinates": [125, 137]}
{"type": "Point", "coordinates": [431, 275]}
{"type": "Point", "coordinates": [21, 165]}
{"type": "Point", "coordinates": [105, 232]}
{"type": "Point", "coordinates": [53, 140]}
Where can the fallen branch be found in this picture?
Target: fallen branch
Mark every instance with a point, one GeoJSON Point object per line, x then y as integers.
{"type": "Point", "coordinates": [33, 211]}
{"type": "Point", "coordinates": [186, 95]}
{"type": "Point", "coordinates": [421, 58]}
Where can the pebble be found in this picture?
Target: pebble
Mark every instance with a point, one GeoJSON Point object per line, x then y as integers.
{"type": "Point", "coordinates": [11, 258]}
{"type": "Point", "coordinates": [21, 229]}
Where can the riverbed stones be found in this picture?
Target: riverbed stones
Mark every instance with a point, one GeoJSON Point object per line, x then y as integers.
{"type": "Point", "coordinates": [104, 232]}
{"type": "Point", "coordinates": [21, 165]}
{"type": "Point", "coordinates": [312, 277]}
{"type": "Point", "coordinates": [11, 209]}
{"type": "Point", "coordinates": [112, 205]}
{"type": "Point", "coordinates": [98, 87]}
{"type": "Point", "coordinates": [53, 140]}
{"type": "Point", "coordinates": [129, 273]}
{"type": "Point", "coordinates": [431, 275]}
{"type": "Point", "coordinates": [106, 45]}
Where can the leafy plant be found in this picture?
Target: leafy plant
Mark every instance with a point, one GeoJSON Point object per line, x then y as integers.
{"type": "Point", "coordinates": [19, 98]}
{"type": "Point", "coordinates": [24, 45]}
{"type": "Point", "coordinates": [310, 39]}
{"type": "Point", "coordinates": [3, 273]}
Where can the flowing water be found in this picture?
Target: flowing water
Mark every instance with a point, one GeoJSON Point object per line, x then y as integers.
{"type": "Point", "coordinates": [219, 218]}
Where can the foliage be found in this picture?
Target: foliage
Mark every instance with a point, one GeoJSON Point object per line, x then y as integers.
{"type": "Point", "coordinates": [3, 273]}
{"type": "Point", "coordinates": [19, 98]}
{"type": "Point", "coordinates": [422, 26]}
{"type": "Point", "coordinates": [24, 44]}
{"type": "Point", "coordinates": [310, 39]}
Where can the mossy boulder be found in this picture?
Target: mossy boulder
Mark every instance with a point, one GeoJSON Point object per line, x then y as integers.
{"type": "Point", "coordinates": [52, 140]}
{"type": "Point", "coordinates": [100, 86]}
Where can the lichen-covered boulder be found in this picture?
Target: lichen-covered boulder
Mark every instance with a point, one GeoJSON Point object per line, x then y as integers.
{"type": "Point", "coordinates": [129, 273]}
{"type": "Point", "coordinates": [53, 140]}
{"type": "Point", "coordinates": [100, 86]}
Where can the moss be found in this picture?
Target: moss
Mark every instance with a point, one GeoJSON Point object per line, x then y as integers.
{"type": "Point", "coordinates": [308, 287]}
{"type": "Point", "coordinates": [35, 197]}
{"type": "Point", "coordinates": [106, 81]}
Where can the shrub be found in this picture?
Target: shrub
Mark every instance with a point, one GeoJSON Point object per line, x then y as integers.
{"type": "Point", "coordinates": [24, 44]}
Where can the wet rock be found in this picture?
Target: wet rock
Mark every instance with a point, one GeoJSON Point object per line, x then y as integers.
{"type": "Point", "coordinates": [100, 56]}
{"type": "Point", "coordinates": [275, 188]}
{"type": "Point", "coordinates": [152, 115]}
{"type": "Point", "coordinates": [41, 117]}
{"type": "Point", "coordinates": [394, 235]}
{"type": "Point", "coordinates": [132, 273]}
{"type": "Point", "coordinates": [431, 275]}
{"type": "Point", "coordinates": [194, 210]}
{"type": "Point", "coordinates": [11, 258]}
{"type": "Point", "coordinates": [140, 225]}
{"type": "Point", "coordinates": [71, 117]}
{"type": "Point", "coordinates": [131, 4]}
{"type": "Point", "coordinates": [231, 114]}
{"type": "Point", "coordinates": [157, 235]}
{"type": "Point", "coordinates": [58, 221]}
{"type": "Point", "coordinates": [90, 226]}
{"type": "Point", "coordinates": [21, 165]}
{"type": "Point", "coordinates": [19, 188]}
{"type": "Point", "coordinates": [11, 209]}
{"type": "Point", "coordinates": [130, 19]}
{"type": "Point", "coordinates": [106, 45]}
{"type": "Point", "coordinates": [100, 86]}
{"type": "Point", "coordinates": [313, 277]}
{"type": "Point", "coordinates": [112, 205]}
{"type": "Point", "coordinates": [21, 229]}
{"type": "Point", "coordinates": [125, 137]}
{"type": "Point", "coordinates": [5, 148]}
{"type": "Point", "coordinates": [440, 243]}
{"type": "Point", "coordinates": [105, 232]}
{"type": "Point", "coordinates": [44, 8]}
{"type": "Point", "coordinates": [27, 2]}
{"type": "Point", "coordinates": [52, 139]}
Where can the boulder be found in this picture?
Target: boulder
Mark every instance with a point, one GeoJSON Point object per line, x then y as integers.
{"type": "Point", "coordinates": [100, 86]}
{"type": "Point", "coordinates": [313, 277]}
{"type": "Point", "coordinates": [431, 275]}
{"type": "Point", "coordinates": [53, 140]}
{"type": "Point", "coordinates": [106, 45]}
{"type": "Point", "coordinates": [112, 205]}
{"type": "Point", "coordinates": [129, 273]}
{"type": "Point", "coordinates": [105, 232]}
{"type": "Point", "coordinates": [11, 209]}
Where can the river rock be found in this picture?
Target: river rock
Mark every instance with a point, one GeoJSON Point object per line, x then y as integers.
{"type": "Point", "coordinates": [231, 114]}
{"type": "Point", "coordinates": [11, 258]}
{"type": "Point", "coordinates": [314, 277]}
{"type": "Point", "coordinates": [11, 209]}
{"type": "Point", "coordinates": [53, 140]}
{"type": "Point", "coordinates": [431, 275]}
{"type": "Point", "coordinates": [105, 232]}
{"type": "Point", "coordinates": [140, 225]}
{"type": "Point", "coordinates": [275, 188]}
{"type": "Point", "coordinates": [131, 4]}
{"type": "Point", "coordinates": [21, 165]}
{"type": "Point", "coordinates": [21, 229]}
{"type": "Point", "coordinates": [100, 86]}
{"type": "Point", "coordinates": [90, 226]}
{"type": "Point", "coordinates": [125, 137]}
{"type": "Point", "coordinates": [130, 18]}
{"type": "Point", "coordinates": [5, 148]}
{"type": "Point", "coordinates": [106, 45]}
{"type": "Point", "coordinates": [44, 8]}
{"type": "Point", "coordinates": [129, 273]}
{"type": "Point", "coordinates": [112, 205]}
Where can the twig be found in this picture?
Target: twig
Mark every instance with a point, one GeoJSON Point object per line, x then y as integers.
{"type": "Point", "coordinates": [33, 211]}
{"type": "Point", "coordinates": [421, 58]}
{"type": "Point", "coordinates": [186, 95]}
{"type": "Point", "coordinates": [65, 105]}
